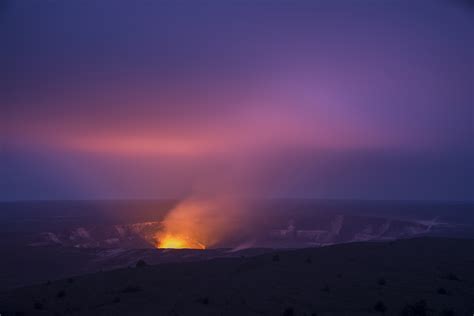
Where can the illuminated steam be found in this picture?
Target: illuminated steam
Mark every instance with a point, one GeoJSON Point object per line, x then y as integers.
{"type": "Point", "coordinates": [201, 222]}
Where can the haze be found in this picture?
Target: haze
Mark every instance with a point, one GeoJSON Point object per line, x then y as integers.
{"type": "Point", "coordinates": [366, 99]}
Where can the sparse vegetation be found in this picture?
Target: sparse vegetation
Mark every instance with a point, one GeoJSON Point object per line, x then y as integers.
{"type": "Point", "coordinates": [292, 288]}
{"type": "Point", "coordinates": [418, 308]}
{"type": "Point", "coordinates": [380, 307]}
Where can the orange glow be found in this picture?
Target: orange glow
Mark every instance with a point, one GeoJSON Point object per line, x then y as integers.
{"type": "Point", "coordinates": [178, 242]}
{"type": "Point", "coordinates": [198, 223]}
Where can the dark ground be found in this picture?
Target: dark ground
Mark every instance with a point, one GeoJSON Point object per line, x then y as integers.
{"type": "Point", "coordinates": [423, 276]}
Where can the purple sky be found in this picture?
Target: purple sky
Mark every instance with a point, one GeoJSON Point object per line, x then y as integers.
{"type": "Point", "coordinates": [322, 99]}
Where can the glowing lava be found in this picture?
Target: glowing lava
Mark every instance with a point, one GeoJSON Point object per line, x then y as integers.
{"type": "Point", "coordinates": [177, 242]}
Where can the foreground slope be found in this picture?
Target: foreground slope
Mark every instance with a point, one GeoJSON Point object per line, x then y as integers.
{"type": "Point", "coordinates": [406, 277]}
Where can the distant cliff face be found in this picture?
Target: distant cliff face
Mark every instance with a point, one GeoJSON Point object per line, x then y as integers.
{"type": "Point", "coordinates": [332, 230]}
{"type": "Point", "coordinates": [344, 228]}
{"type": "Point", "coordinates": [136, 235]}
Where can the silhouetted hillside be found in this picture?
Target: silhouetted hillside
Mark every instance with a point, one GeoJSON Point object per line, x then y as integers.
{"type": "Point", "coordinates": [425, 276]}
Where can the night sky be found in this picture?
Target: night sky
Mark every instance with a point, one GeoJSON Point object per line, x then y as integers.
{"type": "Point", "coordinates": [319, 99]}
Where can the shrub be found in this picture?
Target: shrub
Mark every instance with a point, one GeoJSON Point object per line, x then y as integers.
{"type": "Point", "coordinates": [381, 282]}
{"type": "Point", "coordinates": [61, 294]}
{"type": "Point", "coordinates": [380, 307]}
{"type": "Point", "coordinates": [38, 306]}
{"type": "Point", "coordinates": [141, 263]}
{"type": "Point", "coordinates": [131, 289]}
{"type": "Point", "coordinates": [116, 299]}
{"type": "Point", "coordinates": [326, 288]}
{"type": "Point", "coordinates": [203, 300]}
{"type": "Point", "coordinates": [452, 277]}
{"type": "Point", "coordinates": [309, 260]}
{"type": "Point", "coordinates": [442, 291]}
{"type": "Point", "coordinates": [276, 258]}
{"type": "Point", "coordinates": [70, 280]}
{"type": "Point", "coordinates": [288, 311]}
{"type": "Point", "coordinates": [447, 312]}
